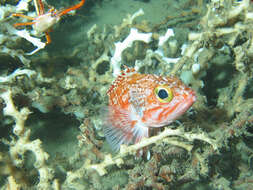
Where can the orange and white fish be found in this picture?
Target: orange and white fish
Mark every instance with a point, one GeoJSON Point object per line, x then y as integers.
{"type": "Point", "coordinates": [140, 101]}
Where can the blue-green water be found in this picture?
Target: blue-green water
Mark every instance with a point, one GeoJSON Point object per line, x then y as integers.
{"type": "Point", "coordinates": [68, 92]}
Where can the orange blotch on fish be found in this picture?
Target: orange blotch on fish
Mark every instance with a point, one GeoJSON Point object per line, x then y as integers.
{"type": "Point", "coordinates": [138, 102]}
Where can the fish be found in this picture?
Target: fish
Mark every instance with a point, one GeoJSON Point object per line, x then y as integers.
{"type": "Point", "coordinates": [139, 102]}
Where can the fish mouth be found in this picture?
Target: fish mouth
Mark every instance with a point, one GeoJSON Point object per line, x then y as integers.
{"type": "Point", "coordinates": [185, 105]}
{"type": "Point", "coordinates": [181, 108]}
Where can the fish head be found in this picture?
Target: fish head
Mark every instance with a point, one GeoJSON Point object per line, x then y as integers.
{"type": "Point", "coordinates": [169, 99]}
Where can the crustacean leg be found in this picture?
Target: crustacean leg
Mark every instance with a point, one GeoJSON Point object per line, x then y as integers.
{"type": "Point", "coordinates": [24, 23]}
{"type": "Point", "coordinates": [39, 10]}
{"type": "Point", "coordinates": [77, 6]}
{"type": "Point", "coordinates": [39, 7]}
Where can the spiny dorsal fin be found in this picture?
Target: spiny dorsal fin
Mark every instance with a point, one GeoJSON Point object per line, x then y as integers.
{"type": "Point", "coordinates": [124, 73]}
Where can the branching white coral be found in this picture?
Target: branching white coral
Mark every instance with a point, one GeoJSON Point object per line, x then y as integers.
{"type": "Point", "coordinates": [15, 54]}
{"type": "Point", "coordinates": [16, 73]}
{"type": "Point", "coordinates": [128, 42]}
{"type": "Point", "coordinates": [23, 144]}
{"type": "Point", "coordinates": [127, 22]}
{"type": "Point", "coordinates": [23, 5]}
{"type": "Point", "coordinates": [26, 35]}
{"type": "Point", "coordinates": [161, 42]}
{"type": "Point", "coordinates": [165, 136]}
{"type": "Point", "coordinates": [163, 39]}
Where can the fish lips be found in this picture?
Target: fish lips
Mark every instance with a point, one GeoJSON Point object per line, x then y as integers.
{"type": "Point", "coordinates": [181, 108]}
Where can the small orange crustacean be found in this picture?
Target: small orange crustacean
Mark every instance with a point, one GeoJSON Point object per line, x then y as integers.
{"type": "Point", "coordinates": [45, 20]}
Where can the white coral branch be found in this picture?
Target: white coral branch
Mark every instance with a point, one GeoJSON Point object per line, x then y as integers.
{"type": "Point", "coordinates": [23, 144]}
{"type": "Point", "coordinates": [162, 137]}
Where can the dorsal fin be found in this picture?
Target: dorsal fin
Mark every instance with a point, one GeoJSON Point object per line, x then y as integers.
{"type": "Point", "coordinates": [124, 73]}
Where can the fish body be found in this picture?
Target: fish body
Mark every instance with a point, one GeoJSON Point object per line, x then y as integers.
{"type": "Point", "coordinates": [138, 102]}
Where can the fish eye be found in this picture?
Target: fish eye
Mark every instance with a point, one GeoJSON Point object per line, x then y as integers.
{"type": "Point", "coordinates": [163, 94]}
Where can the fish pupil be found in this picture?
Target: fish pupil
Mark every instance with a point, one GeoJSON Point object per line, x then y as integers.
{"type": "Point", "coordinates": [162, 93]}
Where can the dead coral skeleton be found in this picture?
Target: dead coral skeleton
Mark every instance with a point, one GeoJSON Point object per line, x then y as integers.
{"type": "Point", "coordinates": [194, 49]}
{"type": "Point", "coordinates": [20, 145]}
{"type": "Point", "coordinates": [214, 25]}
{"type": "Point", "coordinates": [167, 136]}
{"type": "Point", "coordinates": [201, 44]}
